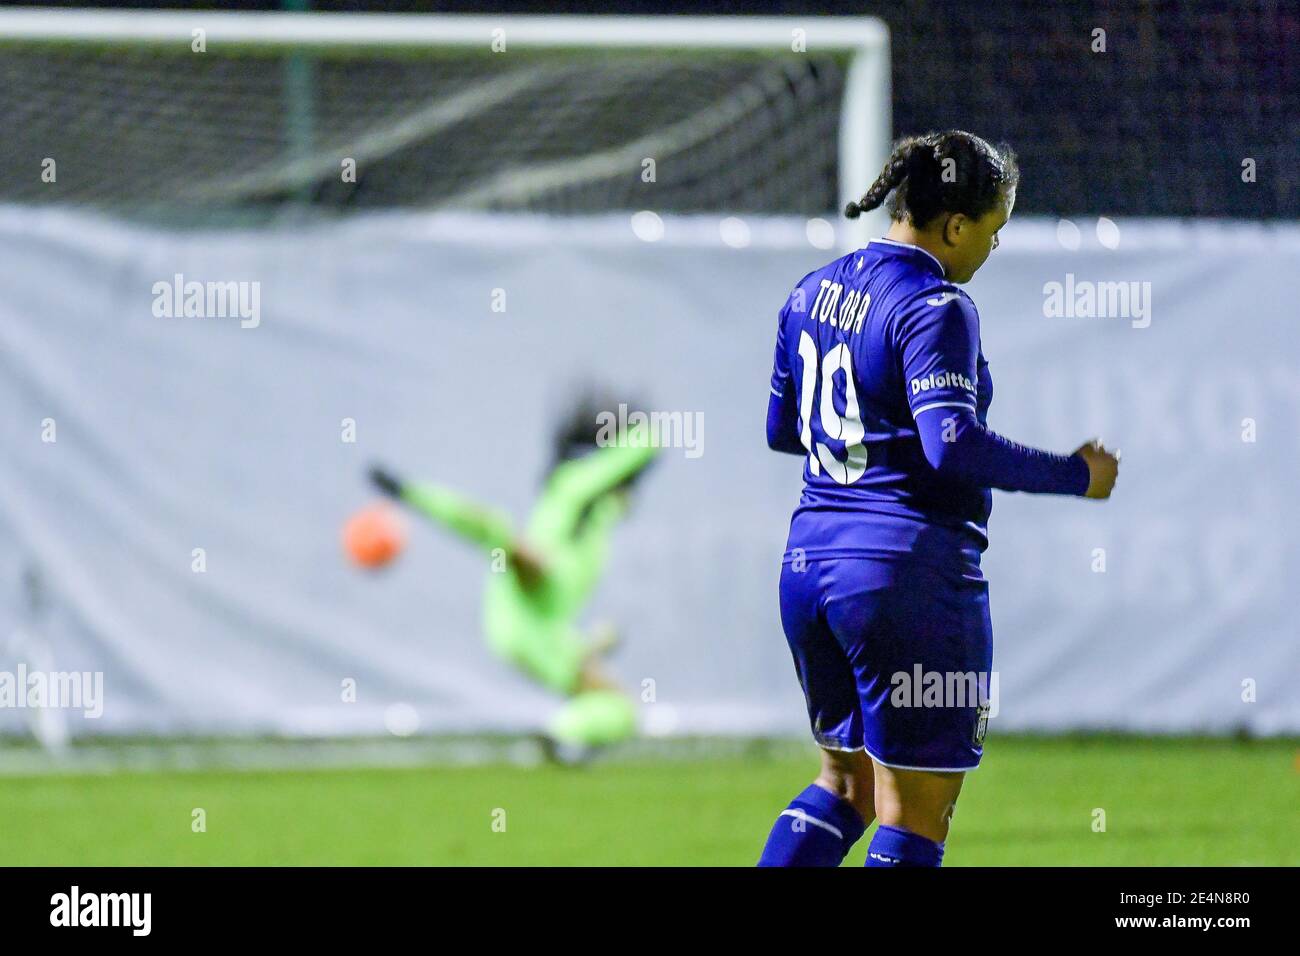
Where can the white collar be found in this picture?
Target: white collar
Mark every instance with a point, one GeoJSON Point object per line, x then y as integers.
{"type": "Point", "coordinates": [908, 245]}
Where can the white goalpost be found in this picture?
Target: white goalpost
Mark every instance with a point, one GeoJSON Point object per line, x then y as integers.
{"type": "Point", "coordinates": [556, 114]}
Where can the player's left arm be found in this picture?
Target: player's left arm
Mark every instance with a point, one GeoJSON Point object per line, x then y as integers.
{"type": "Point", "coordinates": [939, 345]}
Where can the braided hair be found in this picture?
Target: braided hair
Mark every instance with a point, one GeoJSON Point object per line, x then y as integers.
{"type": "Point", "coordinates": [578, 430]}
{"type": "Point", "coordinates": [953, 171]}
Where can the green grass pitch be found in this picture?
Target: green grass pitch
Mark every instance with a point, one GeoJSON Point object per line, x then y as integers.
{"type": "Point", "coordinates": [1033, 802]}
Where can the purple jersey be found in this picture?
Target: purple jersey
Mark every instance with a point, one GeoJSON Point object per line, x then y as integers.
{"type": "Point", "coordinates": [880, 381]}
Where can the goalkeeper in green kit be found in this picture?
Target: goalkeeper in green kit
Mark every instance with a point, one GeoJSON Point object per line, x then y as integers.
{"type": "Point", "coordinates": [543, 576]}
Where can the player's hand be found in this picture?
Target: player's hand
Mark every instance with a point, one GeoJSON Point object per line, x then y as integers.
{"type": "Point", "coordinates": [385, 482]}
{"type": "Point", "coordinates": [1103, 468]}
{"type": "Point", "coordinates": [528, 564]}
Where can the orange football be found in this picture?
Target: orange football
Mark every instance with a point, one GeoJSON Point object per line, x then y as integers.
{"type": "Point", "coordinates": [374, 536]}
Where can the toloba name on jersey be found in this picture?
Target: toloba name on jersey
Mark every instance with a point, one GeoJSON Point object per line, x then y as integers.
{"type": "Point", "coordinates": [843, 311]}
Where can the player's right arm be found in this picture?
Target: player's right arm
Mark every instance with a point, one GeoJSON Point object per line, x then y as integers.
{"type": "Point", "coordinates": [938, 336]}
{"type": "Point", "coordinates": [783, 403]}
{"type": "Point", "coordinates": [486, 527]}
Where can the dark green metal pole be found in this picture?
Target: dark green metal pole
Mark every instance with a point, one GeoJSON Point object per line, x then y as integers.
{"type": "Point", "coordinates": [300, 103]}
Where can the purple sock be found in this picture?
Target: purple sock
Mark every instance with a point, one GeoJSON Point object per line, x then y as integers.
{"type": "Point", "coordinates": [894, 846]}
{"type": "Point", "coordinates": [817, 829]}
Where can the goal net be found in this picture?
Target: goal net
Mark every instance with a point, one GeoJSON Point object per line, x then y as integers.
{"type": "Point", "coordinates": [562, 115]}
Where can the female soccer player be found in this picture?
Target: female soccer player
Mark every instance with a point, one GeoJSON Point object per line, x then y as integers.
{"type": "Point", "coordinates": [543, 577]}
{"type": "Point", "coordinates": [879, 380]}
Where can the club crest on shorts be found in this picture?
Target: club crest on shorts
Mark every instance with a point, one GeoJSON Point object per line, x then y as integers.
{"type": "Point", "coordinates": [981, 725]}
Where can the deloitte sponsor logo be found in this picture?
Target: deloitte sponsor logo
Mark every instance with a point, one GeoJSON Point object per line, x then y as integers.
{"type": "Point", "coordinates": [941, 380]}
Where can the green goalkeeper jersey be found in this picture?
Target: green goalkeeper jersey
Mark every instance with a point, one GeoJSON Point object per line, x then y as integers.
{"type": "Point", "coordinates": [535, 628]}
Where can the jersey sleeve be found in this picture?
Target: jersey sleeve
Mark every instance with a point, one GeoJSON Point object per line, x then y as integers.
{"type": "Point", "coordinates": [781, 371]}
{"type": "Point", "coordinates": [486, 527]}
{"type": "Point", "coordinates": [783, 402]}
{"type": "Point", "coordinates": [939, 339]}
{"type": "Point", "coordinates": [940, 348]}
{"type": "Point", "coordinates": [585, 479]}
